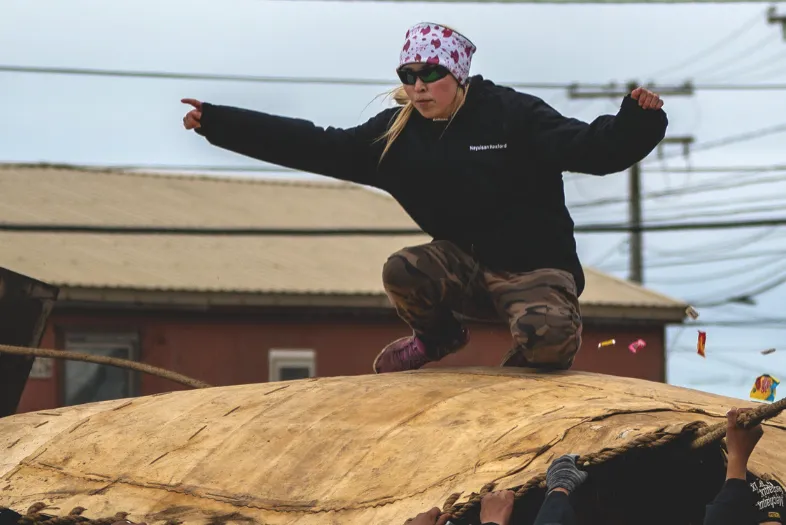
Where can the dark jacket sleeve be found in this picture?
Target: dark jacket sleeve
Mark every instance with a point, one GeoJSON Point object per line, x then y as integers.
{"type": "Point", "coordinates": [8, 517]}
{"type": "Point", "coordinates": [609, 144]}
{"type": "Point", "coordinates": [734, 505]}
{"type": "Point", "coordinates": [556, 510]}
{"type": "Point", "coordinates": [350, 154]}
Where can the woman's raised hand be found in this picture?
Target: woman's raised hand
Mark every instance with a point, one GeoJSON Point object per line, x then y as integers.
{"type": "Point", "coordinates": [193, 117]}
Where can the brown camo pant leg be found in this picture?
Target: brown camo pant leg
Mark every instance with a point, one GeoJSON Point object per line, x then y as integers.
{"type": "Point", "coordinates": [426, 284]}
{"type": "Point", "coordinates": [544, 316]}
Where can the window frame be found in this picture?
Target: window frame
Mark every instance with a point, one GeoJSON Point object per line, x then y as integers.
{"type": "Point", "coordinates": [85, 340]}
{"type": "Point", "coordinates": [278, 358]}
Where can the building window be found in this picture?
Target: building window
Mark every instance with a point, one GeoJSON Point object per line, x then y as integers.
{"type": "Point", "coordinates": [286, 365]}
{"type": "Point", "coordinates": [90, 382]}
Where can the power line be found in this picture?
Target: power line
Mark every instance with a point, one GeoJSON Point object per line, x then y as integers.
{"type": "Point", "coordinates": [778, 70]}
{"type": "Point", "coordinates": [722, 350]}
{"type": "Point", "coordinates": [689, 211]}
{"type": "Point", "coordinates": [335, 81]}
{"type": "Point", "coordinates": [733, 139]}
{"type": "Point", "coordinates": [764, 323]}
{"type": "Point", "coordinates": [719, 169]}
{"type": "Point", "coordinates": [739, 87]}
{"type": "Point", "coordinates": [702, 261]}
{"type": "Point", "coordinates": [704, 188]}
{"type": "Point", "coordinates": [725, 274]}
{"type": "Point", "coordinates": [237, 78]}
{"type": "Point", "coordinates": [610, 253]}
{"type": "Point", "coordinates": [747, 295]}
{"type": "Point", "coordinates": [636, 240]}
{"type": "Point", "coordinates": [724, 247]}
{"type": "Point", "coordinates": [755, 47]}
{"type": "Point", "coordinates": [728, 39]}
{"type": "Point", "coordinates": [715, 206]}
{"type": "Point", "coordinates": [334, 232]}
{"type": "Point", "coordinates": [712, 209]}
{"type": "Point", "coordinates": [746, 70]}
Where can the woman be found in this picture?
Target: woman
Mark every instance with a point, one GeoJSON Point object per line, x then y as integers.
{"type": "Point", "coordinates": [479, 168]}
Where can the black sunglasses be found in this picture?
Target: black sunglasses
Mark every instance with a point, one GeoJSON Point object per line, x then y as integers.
{"type": "Point", "coordinates": [430, 73]}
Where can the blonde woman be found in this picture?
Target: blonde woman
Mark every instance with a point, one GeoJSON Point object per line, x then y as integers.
{"type": "Point", "coordinates": [479, 168]}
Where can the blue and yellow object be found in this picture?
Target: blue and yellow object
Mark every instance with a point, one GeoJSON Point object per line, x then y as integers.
{"type": "Point", "coordinates": [764, 388]}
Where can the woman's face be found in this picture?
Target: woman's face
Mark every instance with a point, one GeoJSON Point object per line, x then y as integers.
{"type": "Point", "coordinates": [432, 99]}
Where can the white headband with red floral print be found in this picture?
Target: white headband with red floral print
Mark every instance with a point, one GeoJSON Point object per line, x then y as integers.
{"type": "Point", "coordinates": [428, 43]}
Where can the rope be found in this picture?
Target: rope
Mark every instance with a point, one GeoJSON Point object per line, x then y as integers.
{"type": "Point", "coordinates": [452, 499]}
{"type": "Point", "coordinates": [103, 360]}
{"type": "Point", "coordinates": [651, 440]}
{"type": "Point", "coordinates": [744, 420]}
{"type": "Point", "coordinates": [706, 435]}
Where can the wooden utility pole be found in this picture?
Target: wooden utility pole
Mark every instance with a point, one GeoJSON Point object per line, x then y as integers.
{"type": "Point", "coordinates": [773, 18]}
{"type": "Point", "coordinates": [636, 248]}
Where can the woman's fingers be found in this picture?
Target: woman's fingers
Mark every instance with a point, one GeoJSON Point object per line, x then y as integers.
{"type": "Point", "coordinates": [192, 119]}
{"type": "Point", "coordinates": [192, 102]}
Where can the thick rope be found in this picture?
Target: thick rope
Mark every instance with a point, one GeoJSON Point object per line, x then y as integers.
{"type": "Point", "coordinates": [744, 420]}
{"type": "Point", "coordinates": [452, 499]}
{"type": "Point", "coordinates": [651, 440]}
{"type": "Point", "coordinates": [103, 360]}
{"type": "Point", "coordinates": [706, 435]}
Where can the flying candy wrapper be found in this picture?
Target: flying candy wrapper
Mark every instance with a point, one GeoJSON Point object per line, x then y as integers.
{"type": "Point", "coordinates": [701, 343]}
{"type": "Point", "coordinates": [692, 313]}
{"type": "Point", "coordinates": [767, 351]}
{"type": "Point", "coordinates": [635, 346]}
{"type": "Point", "coordinates": [610, 342]}
{"type": "Point", "coordinates": [764, 388]}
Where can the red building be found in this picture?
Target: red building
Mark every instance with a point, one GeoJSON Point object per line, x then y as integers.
{"type": "Point", "coordinates": [241, 309]}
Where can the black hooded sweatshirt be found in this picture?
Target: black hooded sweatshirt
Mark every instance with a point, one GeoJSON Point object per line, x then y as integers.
{"type": "Point", "coordinates": [490, 180]}
{"type": "Point", "coordinates": [747, 502]}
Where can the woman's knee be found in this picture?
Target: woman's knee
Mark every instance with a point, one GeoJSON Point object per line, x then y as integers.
{"type": "Point", "coordinates": [548, 335]}
{"type": "Point", "coordinates": [416, 265]}
{"type": "Point", "coordinates": [400, 270]}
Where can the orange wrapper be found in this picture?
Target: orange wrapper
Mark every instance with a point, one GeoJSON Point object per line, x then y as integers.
{"type": "Point", "coordinates": [701, 343]}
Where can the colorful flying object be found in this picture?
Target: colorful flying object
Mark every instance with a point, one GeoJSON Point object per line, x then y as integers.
{"type": "Point", "coordinates": [700, 344]}
{"type": "Point", "coordinates": [635, 346]}
{"type": "Point", "coordinates": [609, 342]}
{"type": "Point", "coordinates": [764, 388]}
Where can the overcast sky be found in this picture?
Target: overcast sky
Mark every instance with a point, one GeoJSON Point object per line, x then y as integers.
{"type": "Point", "coordinates": [105, 121]}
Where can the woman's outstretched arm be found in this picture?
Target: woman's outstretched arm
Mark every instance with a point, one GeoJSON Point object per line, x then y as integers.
{"type": "Point", "coordinates": [609, 144]}
{"type": "Point", "coordinates": [350, 154]}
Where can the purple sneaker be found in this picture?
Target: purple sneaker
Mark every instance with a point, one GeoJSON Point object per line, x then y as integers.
{"type": "Point", "coordinates": [409, 353]}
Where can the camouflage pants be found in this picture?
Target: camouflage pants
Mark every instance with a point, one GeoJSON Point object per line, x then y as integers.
{"type": "Point", "coordinates": [431, 283]}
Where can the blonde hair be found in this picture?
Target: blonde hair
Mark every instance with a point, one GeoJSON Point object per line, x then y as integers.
{"type": "Point", "coordinates": [399, 95]}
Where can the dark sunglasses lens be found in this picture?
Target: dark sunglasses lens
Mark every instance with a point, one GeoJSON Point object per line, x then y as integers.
{"type": "Point", "coordinates": [406, 76]}
{"type": "Point", "coordinates": [432, 74]}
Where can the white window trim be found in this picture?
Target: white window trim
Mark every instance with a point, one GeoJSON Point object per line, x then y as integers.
{"type": "Point", "coordinates": [300, 358]}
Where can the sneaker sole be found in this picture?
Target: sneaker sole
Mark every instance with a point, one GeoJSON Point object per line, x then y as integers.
{"type": "Point", "coordinates": [376, 359]}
